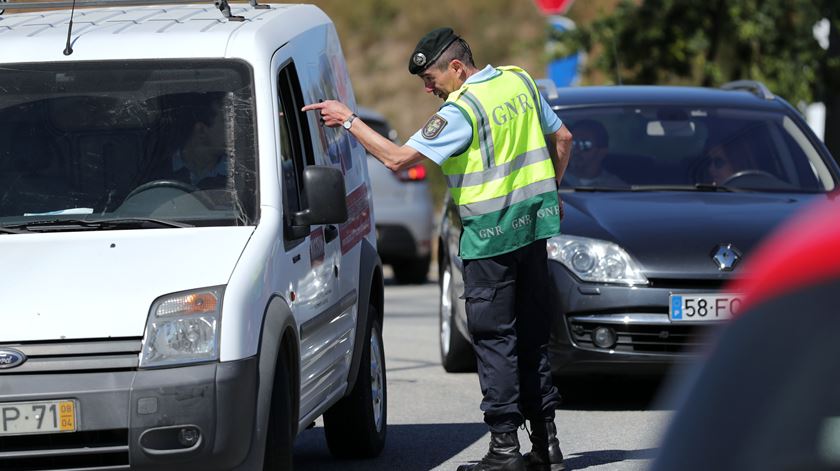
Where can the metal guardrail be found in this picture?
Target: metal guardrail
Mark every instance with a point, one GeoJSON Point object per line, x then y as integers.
{"type": "Point", "coordinates": [757, 88]}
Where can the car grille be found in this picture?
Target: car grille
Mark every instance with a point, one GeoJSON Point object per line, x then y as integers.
{"type": "Point", "coordinates": [90, 450]}
{"type": "Point", "coordinates": [76, 356]}
{"type": "Point", "coordinates": [650, 333]}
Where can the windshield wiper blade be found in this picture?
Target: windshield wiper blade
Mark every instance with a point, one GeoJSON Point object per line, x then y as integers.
{"type": "Point", "coordinates": [98, 223]}
{"type": "Point", "coordinates": [10, 230]}
{"type": "Point", "coordinates": [695, 187]}
{"type": "Point", "coordinates": [596, 188]}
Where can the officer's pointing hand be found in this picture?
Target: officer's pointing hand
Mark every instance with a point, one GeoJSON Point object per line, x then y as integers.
{"type": "Point", "coordinates": [333, 113]}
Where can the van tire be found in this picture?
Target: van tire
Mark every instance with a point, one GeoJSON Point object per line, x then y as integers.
{"type": "Point", "coordinates": [278, 443]}
{"type": "Point", "coordinates": [351, 425]}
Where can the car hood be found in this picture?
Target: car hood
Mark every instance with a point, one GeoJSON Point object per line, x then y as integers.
{"type": "Point", "coordinates": [87, 285]}
{"type": "Point", "coordinates": [673, 234]}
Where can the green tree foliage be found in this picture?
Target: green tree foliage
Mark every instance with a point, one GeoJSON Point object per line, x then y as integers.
{"type": "Point", "coordinates": [715, 41]}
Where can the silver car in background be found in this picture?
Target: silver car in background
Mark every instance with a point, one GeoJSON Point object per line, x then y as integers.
{"type": "Point", "coordinates": [403, 210]}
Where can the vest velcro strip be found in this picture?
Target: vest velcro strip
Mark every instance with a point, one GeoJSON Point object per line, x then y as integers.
{"type": "Point", "coordinates": [485, 133]}
{"type": "Point", "coordinates": [515, 196]}
{"type": "Point", "coordinates": [501, 171]}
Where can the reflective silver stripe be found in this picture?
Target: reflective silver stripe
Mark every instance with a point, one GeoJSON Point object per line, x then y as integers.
{"type": "Point", "coordinates": [502, 171]}
{"type": "Point", "coordinates": [530, 86]}
{"type": "Point", "coordinates": [485, 135]}
{"type": "Point", "coordinates": [516, 196]}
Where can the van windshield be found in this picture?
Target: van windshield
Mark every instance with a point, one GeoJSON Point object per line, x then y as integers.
{"type": "Point", "coordinates": [165, 140]}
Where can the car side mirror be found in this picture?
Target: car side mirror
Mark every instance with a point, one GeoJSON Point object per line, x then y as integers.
{"type": "Point", "coordinates": [325, 196]}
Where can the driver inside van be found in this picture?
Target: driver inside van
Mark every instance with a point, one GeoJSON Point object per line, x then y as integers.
{"type": "Point", "coordinates": [197, 152]}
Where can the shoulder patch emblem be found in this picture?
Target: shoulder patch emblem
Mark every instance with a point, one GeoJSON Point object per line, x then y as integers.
{"type": "Point", "coordinates": [434, 126]}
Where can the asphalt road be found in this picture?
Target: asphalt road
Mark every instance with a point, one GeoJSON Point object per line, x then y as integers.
{"type": "Point", "coordinates": [433, 418]}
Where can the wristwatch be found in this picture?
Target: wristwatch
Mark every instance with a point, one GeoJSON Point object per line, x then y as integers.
{"type": "Point", "coordinates": [349, 121]}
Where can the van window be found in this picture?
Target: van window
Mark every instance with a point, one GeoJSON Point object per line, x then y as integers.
{"type": "Point", "coordinates": [143, 139]}
{"type": "Point", "coordinates": [295, 140]}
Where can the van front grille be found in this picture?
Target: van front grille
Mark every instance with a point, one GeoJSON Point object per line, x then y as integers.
{"type": "Point", "coordinates": [76, 356]}
{"type": "Point", "coordinates": [89, 450]}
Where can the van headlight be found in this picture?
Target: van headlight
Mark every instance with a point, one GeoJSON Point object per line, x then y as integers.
{"type": "Point", "coordinates": [595, 260]}
{"type": "Point", "coordinates": [183, 328]}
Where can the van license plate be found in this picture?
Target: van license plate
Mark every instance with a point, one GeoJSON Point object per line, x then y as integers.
{"type": "Point", "coordinates": [22, 418]}
{"type": "Point", "coordinates": [703, 307]}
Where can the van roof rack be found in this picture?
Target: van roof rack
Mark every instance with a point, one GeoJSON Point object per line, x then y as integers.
{"type": "Point", "coordinates": [222, 5]}
{"type": "Point", "coordinates": [757, 88]}
{"type": "Point", "coordinates": [548, 88]}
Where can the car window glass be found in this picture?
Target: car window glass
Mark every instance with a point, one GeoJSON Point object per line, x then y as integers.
{"type": "Point", "coordinates": [295, 141]}
{"type": "Point", "coordinates": [670, 145]}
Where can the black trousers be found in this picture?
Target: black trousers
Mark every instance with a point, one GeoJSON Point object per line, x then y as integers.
{"type": "Point", "coordinates": [509, 319]}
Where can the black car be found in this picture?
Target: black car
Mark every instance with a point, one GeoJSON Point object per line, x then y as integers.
{"type": "Point", "coordinates": [668, 188]}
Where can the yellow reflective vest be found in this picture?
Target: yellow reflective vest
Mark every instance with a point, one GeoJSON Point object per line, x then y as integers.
{"type": "Point", "coordinates": [503, 183]}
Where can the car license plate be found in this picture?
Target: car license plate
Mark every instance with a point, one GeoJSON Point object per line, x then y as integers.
{"type": "Point", "coordinates": [21, 418]}
{"type": "Point", "coordinates": [704, 307]}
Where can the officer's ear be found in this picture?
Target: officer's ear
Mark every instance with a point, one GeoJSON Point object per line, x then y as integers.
{"type": "Point", "coordinates": [457, 67]}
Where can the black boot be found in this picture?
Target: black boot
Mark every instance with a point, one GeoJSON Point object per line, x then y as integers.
{"type": "Point", "coordinates": [545, 452]}
{"type": "Point", "coordinates": [503, 455]}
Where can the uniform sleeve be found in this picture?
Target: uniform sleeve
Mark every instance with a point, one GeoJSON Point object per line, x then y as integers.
{"type": "Point", "coordinates": [548, 118]}
{"type": "Point", "coordinates": [445, 134]}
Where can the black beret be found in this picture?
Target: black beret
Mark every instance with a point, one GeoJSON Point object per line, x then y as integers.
{"type": "Point", "coordinates": [430, 47]}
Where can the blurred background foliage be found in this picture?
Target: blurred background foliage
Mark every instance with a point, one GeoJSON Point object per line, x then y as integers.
{"type": "Point", "coordinates": [708, 43]}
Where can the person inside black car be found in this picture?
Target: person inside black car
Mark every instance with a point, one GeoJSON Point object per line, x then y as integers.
{"type": "Point", "coordinates": [727, 158]}
{"type": "Point", "coordinates": [589, 149]}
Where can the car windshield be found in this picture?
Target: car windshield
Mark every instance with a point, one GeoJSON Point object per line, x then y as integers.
{"type": "Point", "coordinates": [691, 148]}
{"type": "Point", "coordinates": [139, 140]}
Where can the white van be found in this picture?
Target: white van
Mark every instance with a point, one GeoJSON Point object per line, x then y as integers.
{"type": "Point", "coordinates": [189, 269]}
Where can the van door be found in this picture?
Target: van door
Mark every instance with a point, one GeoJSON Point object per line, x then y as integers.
{"type": "Point", "coordinates": [325, 326]}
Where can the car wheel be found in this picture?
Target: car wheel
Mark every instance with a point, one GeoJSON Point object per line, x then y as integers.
{"type": "Point", "coordinates": [278, 443]}
{"type": "Point", "coordinates": [412, 272]}
{"type": "Point", "coordinates": [456, 352]}
{"type": "Point", "coordinates": [355, 426]}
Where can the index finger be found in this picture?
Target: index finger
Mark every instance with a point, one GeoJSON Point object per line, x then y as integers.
{"type": "Point", "coordinates": [313, 106]}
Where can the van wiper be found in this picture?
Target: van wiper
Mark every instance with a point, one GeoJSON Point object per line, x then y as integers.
{"type": "Point", "coordinates": [9, 230]}
{"type": "Point", "coordinates": [96, 224]}
{"type": "Point", "coordinates": [695, 187]}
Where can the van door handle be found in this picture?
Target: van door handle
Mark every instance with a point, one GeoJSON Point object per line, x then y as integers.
{"type": "Point", "coordinates": [330, 233]}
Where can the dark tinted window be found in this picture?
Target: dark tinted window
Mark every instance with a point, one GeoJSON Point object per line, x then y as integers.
{"type": "Point", "coordinates": [622, 147]}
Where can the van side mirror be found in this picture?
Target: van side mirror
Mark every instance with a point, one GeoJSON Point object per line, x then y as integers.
{"type": "Point", "coordinates": [325, 196]}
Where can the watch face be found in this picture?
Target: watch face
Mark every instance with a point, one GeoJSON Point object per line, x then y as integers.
{"type": "Point", "coordinates": [347, 124]}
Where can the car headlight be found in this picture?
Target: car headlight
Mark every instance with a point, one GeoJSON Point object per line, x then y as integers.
{"type": "Point", "coordinates": [595, 260]}
{"type": "Point", "coordinates": [183, 328]}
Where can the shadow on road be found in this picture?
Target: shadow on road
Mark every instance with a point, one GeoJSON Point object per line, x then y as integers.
{"type": "Point", "coordinates": [408, 448]}
{"type": "Point", "coordinates": [611, 394]}
{"type": "Point", "coordinates": [602, 457]}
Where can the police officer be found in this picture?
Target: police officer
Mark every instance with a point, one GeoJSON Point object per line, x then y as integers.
{"type": "Point", "coordinates": [503, 152]}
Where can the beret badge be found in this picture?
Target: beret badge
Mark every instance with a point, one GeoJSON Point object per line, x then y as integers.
{"type": "Point", "coordinates": [419, 59]}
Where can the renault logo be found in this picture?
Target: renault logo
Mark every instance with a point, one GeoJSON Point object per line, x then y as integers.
{"type": "Point", "coordinates": [10, 358]}
{"type": "Point", "coordinates": [726, 256]}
